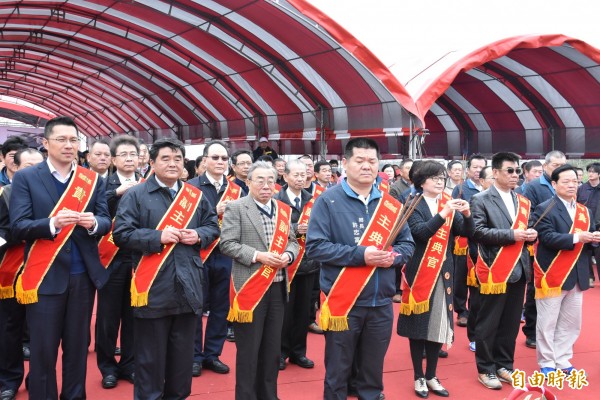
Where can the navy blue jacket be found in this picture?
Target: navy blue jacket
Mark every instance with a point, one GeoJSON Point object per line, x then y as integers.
{"type": "Point", "coordinates": [539, 190]}
{"type": "Point", "coordinates": [337, 222]}
{"type": "Point", "coordinates": [468, 190]}
{"type": "Point", "coordinates": [589, 196]}
{"type": "Point", "coordinates": [553, 236]}
{"type": "Point", "coordinates": [33, 198]}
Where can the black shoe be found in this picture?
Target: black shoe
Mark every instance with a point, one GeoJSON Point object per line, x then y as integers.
{"type": "Point", "coordinates": [109, 382]}
{"type": "Point", "coordinates": [26, 353]}
{"type": "Point", "coordinates": [282, 363]}
{"type": "Point", "coordinates": [230, 335]}
{"type": "Point", "coordinates": [302, 362]}
{"type": "Point", "coordinates": [443, 354]}
{"type": "Point", "coordinates": [8, 394]}
{"type": "Point", "coordinates": [128, 377]}
{"type": "Point", "coordinates": [117, 351]}
{"type": "Point", "coordinates": [196, 369]}
{"type": "Point", "coordinates": [216, 366]}
{"type": "Point", "coordinates": [529, 342]}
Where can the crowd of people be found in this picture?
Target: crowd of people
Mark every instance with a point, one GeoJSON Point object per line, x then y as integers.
{"type": "Point", "coordinates": [245, 243]}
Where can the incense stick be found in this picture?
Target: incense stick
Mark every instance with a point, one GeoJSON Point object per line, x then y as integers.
{"type": "Point", "coordinates": [407, 211]}
{"type": "Point", "coordinates": [546, 211]}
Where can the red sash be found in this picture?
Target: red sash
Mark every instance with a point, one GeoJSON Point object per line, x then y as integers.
{"type": "Point", "coordinates": [493, 279]}
{"type": "Point", "coordinates": [415, 298]}
{"type": "Point", "coordinates": [351, 281]}
{"type": "Point", "coordinates": [383, 186]}
{"type": "Point", "coordinates": [178, 216]}
{"type": "Point", "coordinates": [9, 268]}
{"type": "Point", "coordinates": [243, 302]}
{"type": "Point", "coordinates": [461, 246]}
{"type": "Point", "coordinates": [107, 247]}
{"type": "Point", "coordinates": [233, 192]}
{"type": "Point", "coordinates": [317, 190]}
{"type": "Point", "coordinates": [304, 217]}
{"type": "Point", "coordinates": [43, 252]}
{"type": "Point", "coordinates": [549, 283]}
{"type": "Point", "coordinates": [277, 188]}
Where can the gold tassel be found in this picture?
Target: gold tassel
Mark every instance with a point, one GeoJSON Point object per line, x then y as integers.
{"type": "Point", "coordinates": [460, 251]}
{"type": "Point", "coordinates": [7, 292]}
{"type": "Point", "coordinates": [472, 279]}
{"type": "Point", "coordinates": [421, 307]}
{"type": "Point", "coordinates": [237, 315]}
{"type": "Point", "coordinates": [138, 299]}
{"type": "Point", "coordinates": [545, 291]}
{"type": "Point", "coordinates": [405, 309]}
{"type": "Point", "coordinates": [25, 296]}
{"type": "Point", "coordinates": [325, 316]}
{"type": "Point", "coordinates": [338, 324]}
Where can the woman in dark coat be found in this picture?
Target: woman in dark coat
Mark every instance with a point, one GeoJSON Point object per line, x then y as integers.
{"type": "Point", "coordinates": [426, 309]}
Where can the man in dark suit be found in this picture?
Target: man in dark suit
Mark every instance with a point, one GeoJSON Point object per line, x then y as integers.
{"type": "Point", "coordinates": [559, 302]}
{"type": "Point", "coordinates": [255, 241]}
{"type": "Point", "coordinates": [114, 300]}
{"type": "Point", "coordinates": [66, 291]}
{"type": "Point", "coordinates": [537, 191]}
{"type": "Point", "coordinates": [165, 242]}
{"type": "Point", "coordinates": [297, 309]}
{"type": "Point", "coordinates": [403, 182]}
{"type": "Point", "coordinates": [502, 269]}
{"type": "Point", "coordinates": [214, 184]}
{"type": "Point", "coordinates": [12, 314]}
{"type": "Point", "coordinates": [241, 161]}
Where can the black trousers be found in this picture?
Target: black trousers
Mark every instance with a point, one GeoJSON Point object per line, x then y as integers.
{"type": "Point", "coordinates": [367, 339]}
{"type": "Point", "coordinates": [164, 350]}
{"type": "Point", "coordinates": [258, 347]}
{"type": "Point", "coordinates": [12, 322]}
{"type": "Point", "coordinates": [315, 299]}
{"type": "Point", "coordinates": [60, 320]}
{"type": "Point", "coordinates": [461, 290]}
{"type": "Point", "coordinates": [209, 346]}
{"type": "Point", "coordinates": [114, 311]}
{"type": "Point", "coordinates": [530, 310]}
{"type": "Point", "coordinates": [473, 311]}
{"type": "Point", "coordinates": [297, 317]}
{"type": "Point", "coordinates": [497, 328]}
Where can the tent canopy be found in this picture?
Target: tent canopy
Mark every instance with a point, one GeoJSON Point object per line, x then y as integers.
{"type": "Point", "coordinates": [227, 69]}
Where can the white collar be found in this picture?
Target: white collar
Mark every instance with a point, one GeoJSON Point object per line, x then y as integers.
{"type": "Point", "coordinates": [55, 172]}
{"type": "Point", "coordinates": [175, 187]}
{"type": "Point", "coordinates": [123, 179]}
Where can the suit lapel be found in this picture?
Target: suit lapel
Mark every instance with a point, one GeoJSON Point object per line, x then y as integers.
{"type": "Point", "coordinates": [564, 214]}
{"type": "Point", "coordinates": [500, 204]}
{"type": "Point", "coordinates": [254, 217]}
{"type": "Point", "coordinates": [48, 180]}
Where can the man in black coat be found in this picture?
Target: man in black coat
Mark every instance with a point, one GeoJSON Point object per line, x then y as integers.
{"type": "Point", "coordinates": [297, 309]}
{"type": "Point", "coordinates": [495, 213]}
{"type": "Point", "coordinates": [164, 327]}
{"type": "Point", "coordinates": [114, 300]}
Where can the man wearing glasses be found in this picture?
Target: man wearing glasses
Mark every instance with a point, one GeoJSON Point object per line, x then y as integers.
{"type": "Point", "coordinates": [59, 209]}
{"type": "Point", "coordinates": [501, 218]}
{"type": "Point", "coordinates": [241, 161]}
{"type": "Point", "coordinates": [217, 267]}
{"type": "Point", "coordinates": [256, 234]}
{"type": "Point", "coordinates": [114, 300]}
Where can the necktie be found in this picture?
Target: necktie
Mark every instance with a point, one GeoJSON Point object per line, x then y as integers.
{"type": "Point", "coordinates": [297, 201]}
{"type": "Point", "coordinates": [173, 193]}
{"type": "Point", "coordinates": [217, 186]}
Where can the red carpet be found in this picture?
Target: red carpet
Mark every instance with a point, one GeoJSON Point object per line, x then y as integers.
{"type": "Point", "coordinates": [457, 373]}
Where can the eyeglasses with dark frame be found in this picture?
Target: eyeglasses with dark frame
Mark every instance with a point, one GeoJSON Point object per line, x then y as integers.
{"type": "Point", "coordinates": [215, 157]}
{"type": "Point", "coordinates": [511, 170]}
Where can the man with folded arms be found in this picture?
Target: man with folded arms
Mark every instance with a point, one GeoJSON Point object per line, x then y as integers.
{"type": "Point", "coordinates": [561, 270]}
{"type": "Point", "coordinates": [349, 225]}
{"type": "Point", "coordinates": [502, 268]}
{"type": "Point", "coordinates": [256, 234]}
{"type": "Point", "coordinates": [59, 209]}
{"type": "Point", "coordinates": [165, 222]}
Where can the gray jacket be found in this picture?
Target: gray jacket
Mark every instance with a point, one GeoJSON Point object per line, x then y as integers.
{"type": "Point", "coordinates": [242, 234]}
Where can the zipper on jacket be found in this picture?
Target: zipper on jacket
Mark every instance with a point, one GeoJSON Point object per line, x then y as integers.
{"type": "Point", "coordinates": [376, 272]}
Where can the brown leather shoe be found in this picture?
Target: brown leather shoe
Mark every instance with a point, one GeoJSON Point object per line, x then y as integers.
{"type": "Point", "coordinates": [461, 321]}
{"type": "Point", "coordinates": [314, 328]}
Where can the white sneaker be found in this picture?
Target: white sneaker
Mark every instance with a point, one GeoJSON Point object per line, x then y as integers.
{"type": "Point", "coordinates": [490, 381]}
{"type": "Point", "coordinates": [421, 388]}
{"type": "Point", "coordinates": [436, 387]}
{"type": "Point", "coordinates": [504, 375]}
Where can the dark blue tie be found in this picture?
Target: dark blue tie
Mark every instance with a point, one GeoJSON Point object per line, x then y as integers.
{"type": "Point", "coordinates": [173, 193]}
{"type": "Point", "coordinates": [297, 201]}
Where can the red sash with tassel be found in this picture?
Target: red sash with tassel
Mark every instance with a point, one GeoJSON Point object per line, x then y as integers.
{"type": "Point", "coordinates": [43, 252]}
{"type": "Point", "coordinates": [243, 302]}
{"type": "Point", "coordinates": [351, 281]}
{"type": "Point", "coordinates": [415, 297]}
{"type": "Point", "coordinates": [178, 215]}
{"type": "Point", "coordinates": [493, 278]}
{"type": "Point", "coordinates": [549, 283]}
